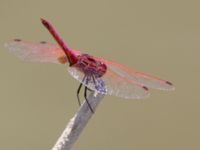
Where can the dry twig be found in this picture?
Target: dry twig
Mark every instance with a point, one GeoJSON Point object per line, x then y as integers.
{"type": "Point", "coordinates": [77, 123]}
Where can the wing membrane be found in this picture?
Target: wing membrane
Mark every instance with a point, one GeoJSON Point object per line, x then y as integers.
{"type": "Point", "coordinates": [138, 77]}
{"type": "Point", "coordinates": [36, 52]}
{"type": "Point", "coordinates": [113, 84]}
{"type": "Point", "coordinates": [118, 80]}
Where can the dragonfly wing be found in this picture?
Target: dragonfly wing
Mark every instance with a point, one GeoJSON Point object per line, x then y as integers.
{"type": "Point", "coordinates": [36, 52]}
{"type": "Point", "coordinates": [139, 77]}
{"type": "Point", "coordinates": [112, 84]}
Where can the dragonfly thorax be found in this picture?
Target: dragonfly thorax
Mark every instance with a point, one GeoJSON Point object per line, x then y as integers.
{"type": "Point", "coordinates": [90, 66]}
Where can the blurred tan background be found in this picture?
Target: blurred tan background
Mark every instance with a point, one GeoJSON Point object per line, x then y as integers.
{"type": "Point", "coordinates": [158, 37]}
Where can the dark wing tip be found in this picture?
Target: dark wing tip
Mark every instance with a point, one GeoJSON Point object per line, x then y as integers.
{"type": "Point", "coordinates": [43, 42]}
{"type": "Point", "coordinates": [169, 83]}
{"type": "Point", "coordinates": [17, 40]}
{"type": "Point", "coordinates": [145, 88]}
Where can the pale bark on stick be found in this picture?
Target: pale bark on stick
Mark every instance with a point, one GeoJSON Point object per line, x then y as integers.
{"type": "Point", "coordinates": [77, 123]}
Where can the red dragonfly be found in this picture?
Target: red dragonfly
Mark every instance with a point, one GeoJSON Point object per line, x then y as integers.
{"type": "Point", "coordinates": [96, 74]}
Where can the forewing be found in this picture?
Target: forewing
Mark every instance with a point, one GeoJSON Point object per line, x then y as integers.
{"type": "Point", "coordinates": [138, 77]}
{"type": "Point", "coordinates": [35, 52]}
{"type": "Point", "coordinates": [112, 84]}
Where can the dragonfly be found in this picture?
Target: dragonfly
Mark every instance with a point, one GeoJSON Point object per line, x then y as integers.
{"type": "Point", "coordinates": [95, 74]}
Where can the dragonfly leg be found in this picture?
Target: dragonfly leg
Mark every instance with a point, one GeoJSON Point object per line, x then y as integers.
{"type": "Point", "coordinates": [78, 91]}
{"type": "Point", "coordinates": [93, 78]}
{"type": "Point", "coordinates": [95, 84]}
{"type": "Point", "coordinates": [85, 95]}
{"type": "Point", "coordinates": [89, 89]}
